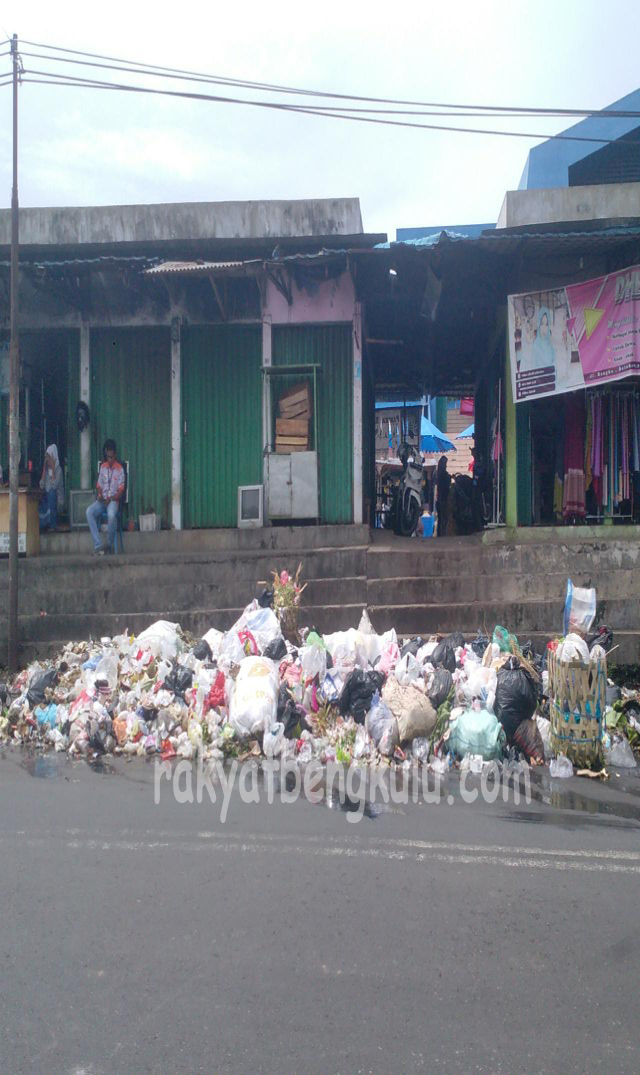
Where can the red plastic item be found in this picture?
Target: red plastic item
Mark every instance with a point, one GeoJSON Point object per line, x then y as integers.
{"type": "Point", "coordinates": [215, 696]}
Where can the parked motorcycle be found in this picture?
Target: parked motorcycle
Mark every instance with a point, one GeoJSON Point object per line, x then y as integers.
{"type": "Point", "coordinates": [406, 507]}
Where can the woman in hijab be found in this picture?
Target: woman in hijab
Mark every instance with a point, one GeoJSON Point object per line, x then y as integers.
{"type": "Point", "coordinates": [543, 351]}
{"type": "Point", "coordinates": [443, 484]}
{"type": "Point", "coordinates": [52, 485]}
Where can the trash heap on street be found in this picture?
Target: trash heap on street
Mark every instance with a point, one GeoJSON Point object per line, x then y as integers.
{"type": "Point", "coordinates": [262, 689]}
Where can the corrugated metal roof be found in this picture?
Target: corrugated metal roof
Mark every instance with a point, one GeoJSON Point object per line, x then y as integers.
{"type": "Point", "coordinates": [197, 268]}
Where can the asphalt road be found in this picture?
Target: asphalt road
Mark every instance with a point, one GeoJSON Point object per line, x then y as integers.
{"type": "Point", "coordinates": [142, 937]}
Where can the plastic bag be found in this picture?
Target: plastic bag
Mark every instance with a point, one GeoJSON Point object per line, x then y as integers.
{"type": "Point", "coordinates": [560, 767]}
{"type": "Point", "coordinates": [480, 644]}
{"type": "Point", "coordinates": [444, 655]}
{"type": "Point", "coordinates": [272, 742]}
{"type": "Point", "coordinates": [41, 682]}
{"type": "Point", "coordinates": [439, 688]}
{"type": "Point", "coordinates": [179, 680]}
{"type": "Point", "coordinates": [276, 650]}
{"type": "Point", "coordinates": [516, 695]}
{"type": "Point", "coordinates": [504, 640]}
{"type": "Point", "coordinates": [202, 651]}
{"type": "Point", "coordinates": [573, 648]}
{"type": "Point", "coordinates": [412, 709]}
{"type": "Point", "coordinates": [254, 701]}
{"type": "Point", "coordinates": [544, 728]}
{"type": "Point", "coordinates": [388, 658]}
{"type": "Point", "coordinates": [412, 646]}
{"type": "Point", "coordinates": [313, 659]}
{"type": "Point", "coordinates": [162, 639]}
{"type": "Point", "coordinates": [579, 609]}
{"type": "Point", "coordinates": [620, 755]}
{"type": "Point", "coordinates": [476, 731]}
{"type": "Point", "coordinates": [358, 692]}
{"type": "Point", "coordinates": [527, 738]}
{"type": "Point", "coordinates": [408, 670]}
{"type": "Point", "coordinates": [420, 750]}
{"type": "Point", "coordinates": [382, 726]}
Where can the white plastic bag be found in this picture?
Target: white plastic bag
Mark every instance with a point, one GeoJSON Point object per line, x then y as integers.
{"type": "Point", "coordinates": [273, 738]}
{"type": "Point", "coordinates": [213, 638]}
{"type": "Point", "coordinates": [579, 609]}
{"type": "Point", "coordinates": [382, 726]}
{"type": "Point", "coordinates": [161, 639]}
{"type": "Point", "coordinates": [544, 727]}
{"type": "Point", "coordinates": [314, 662]}
{"type": "Point", "coordinates": [254, 702]}
{"type": "Point", "coordinates": [560, 766]}
{"type": "Point", "coordinates": [408, 670]}
{"type": "Point", "coordinates": [573, 648]}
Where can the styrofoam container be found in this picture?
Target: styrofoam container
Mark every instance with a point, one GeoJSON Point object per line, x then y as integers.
{"type": "Point", "coordinates": [149, 522]}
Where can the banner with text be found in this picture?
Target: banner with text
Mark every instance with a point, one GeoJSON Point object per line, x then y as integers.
{"type": "Point", "coordinates": [575, 336]}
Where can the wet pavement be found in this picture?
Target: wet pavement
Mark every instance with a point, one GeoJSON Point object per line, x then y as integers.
{"type": "Point", "coordinates": [144, 936]}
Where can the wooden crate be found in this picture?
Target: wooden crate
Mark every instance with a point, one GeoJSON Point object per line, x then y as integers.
{"type": "Point", "coordinates": [292, 427]}
{"type": "Point", "coordinates": [577, 695]}
{"type": "Point", "coordinates": [299, 396]}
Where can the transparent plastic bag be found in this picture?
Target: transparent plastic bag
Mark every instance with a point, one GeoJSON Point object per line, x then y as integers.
{"type": "Point", "coordinates": [620, 755]}
{"type": "Point", "coordinates": [579, 609]}
{"type": "Point", "coordinates": [382, 726]}
{"type": "Point", "coordinates": [560, 767]}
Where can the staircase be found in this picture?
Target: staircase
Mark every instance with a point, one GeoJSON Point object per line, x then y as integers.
{"type": "Point", "coordinates": [204, 579]}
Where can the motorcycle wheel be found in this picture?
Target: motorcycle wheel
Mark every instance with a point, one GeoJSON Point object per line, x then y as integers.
{"type": "Point", "coordinates": [409, 519]}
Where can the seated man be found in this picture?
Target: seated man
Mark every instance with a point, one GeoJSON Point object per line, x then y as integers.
{"type": "Point", "coordinates": [110, 490]}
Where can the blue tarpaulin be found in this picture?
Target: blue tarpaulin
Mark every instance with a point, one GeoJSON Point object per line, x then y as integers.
{"type": "Point", "coordinates": [433, 439]}
{"type": "Point", "coordinates": [468, 432]}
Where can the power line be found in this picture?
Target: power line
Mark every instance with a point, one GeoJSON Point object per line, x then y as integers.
{"type": "Point", "coordinates": [326, 108]}
{"type": "Point", "coordinates": [54, 79]}
{"type": "Point", "coordinates": [157, 69]}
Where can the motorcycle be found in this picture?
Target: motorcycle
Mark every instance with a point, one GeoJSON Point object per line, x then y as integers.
{"type": "Point", "coordinates": [406, 507]}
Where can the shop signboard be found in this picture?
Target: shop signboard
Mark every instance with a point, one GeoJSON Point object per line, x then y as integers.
{"type": "Point", "coordinates": [576, 336]}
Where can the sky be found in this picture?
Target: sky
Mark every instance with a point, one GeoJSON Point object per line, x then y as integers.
{"type": "Point", "coordinates": [87, 147]}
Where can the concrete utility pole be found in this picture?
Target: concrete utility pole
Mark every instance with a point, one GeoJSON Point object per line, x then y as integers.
{"type": "Point", "coordinates": [14, 386]}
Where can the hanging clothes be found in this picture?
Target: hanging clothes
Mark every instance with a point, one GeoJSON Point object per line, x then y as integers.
{"type": "Point", "coordinates": [573, 504]}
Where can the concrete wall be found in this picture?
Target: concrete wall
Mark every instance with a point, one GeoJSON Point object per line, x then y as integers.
{"type": "Point", "coordinates": [607, 201]}
{"type": "Point", "coordinates": [184, 221]}
{"type": "Point", "coordinates": [332, 300]}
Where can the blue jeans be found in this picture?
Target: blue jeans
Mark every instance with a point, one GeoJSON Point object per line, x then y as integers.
{"type": "Point", "coordinates": [49, 510]}
{"type": "Point", "coordinates": [94, 511]}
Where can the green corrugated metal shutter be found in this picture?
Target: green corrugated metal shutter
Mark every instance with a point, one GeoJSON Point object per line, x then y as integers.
{"type": "Point", "coordinates": [331, 347]}
{"type": "Point", "coordinates": [73, 395]}
{"type": "Point", "coordinates": [222, 414]}
{"type": "Point", "coordinates": [523, 441]}
{"type": "Point", "coordinates": [131, 402]}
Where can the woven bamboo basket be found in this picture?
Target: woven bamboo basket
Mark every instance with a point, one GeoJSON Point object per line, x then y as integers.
{"type": "Point", "coordinates": [288, 616]}
{"type": "Point", "coordinates": [577, 704]}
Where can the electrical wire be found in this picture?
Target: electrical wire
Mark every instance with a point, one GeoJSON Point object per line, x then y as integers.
{"type": "Point", "coordinates": [54, 79]}
{"type": "Point", "coordinates": [157, 69]}
{"type": "Point", "coordinates": [325, 108]}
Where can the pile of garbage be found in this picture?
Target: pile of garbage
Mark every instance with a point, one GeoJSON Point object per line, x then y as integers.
{"type": "Point", "coordinates": [352, 696]}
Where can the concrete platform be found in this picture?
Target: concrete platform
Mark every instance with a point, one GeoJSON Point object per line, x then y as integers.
{"type": "Point", "coordinates": [204, 578]}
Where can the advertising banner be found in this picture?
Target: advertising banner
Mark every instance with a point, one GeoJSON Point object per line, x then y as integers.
{"type": "Point", "coordinates": [575, 336]}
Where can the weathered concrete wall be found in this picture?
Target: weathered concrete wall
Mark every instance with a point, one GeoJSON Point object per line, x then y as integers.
{"type": "Point", "coordinates": [333, 300]}
{"type": "Point", "coordinates": [110, 224]}
{"type": "Point", "coordinates": [607, 201]}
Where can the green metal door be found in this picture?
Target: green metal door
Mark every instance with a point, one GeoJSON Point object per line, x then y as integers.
{"type": "Point", "coordinates": [131, 403]}
{"type": "Point", "coordinates": [222, 420]}
{"type": "Point", "coordinates": [331, 347]}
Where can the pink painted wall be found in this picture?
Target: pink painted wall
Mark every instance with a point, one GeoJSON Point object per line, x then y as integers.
{"type": "Point", "coordinates": [334, 300]}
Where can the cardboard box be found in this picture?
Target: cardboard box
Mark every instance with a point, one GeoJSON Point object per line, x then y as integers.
{"type": "Point", "coordinates": [292, 427]}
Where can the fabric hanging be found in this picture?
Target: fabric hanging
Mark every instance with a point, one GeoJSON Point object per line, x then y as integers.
{"type": "Point", "coordinates": [574, 479]}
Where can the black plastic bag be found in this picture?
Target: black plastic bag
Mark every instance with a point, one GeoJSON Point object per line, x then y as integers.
{"type": "Point", "coordinates": [516, 695]}
{"type": "Point", "coordinates": [444, 656]}
{"type": "Point", "coordinates": [456, 638]}
{"type": "Point", "coordinates": [357, 693]}
{"type": "Point", "coordinates": [266, 599]}
{"type": "Point", "coordinates": [412, 647]}
{"type": "Point", "coordinates": [602, 637]}
{"type": "Point", "coordinates": [276, 650]}
{"type": "Point", "coordinates": [179, 680]}
{"type": "Point", "coordinates": [480, 644]}
{"type": "Point", "coordinates": [39, 684]}
{"type": "Point", "coordinates": [440, 688]}
{"type": "Point", "coordinates": [527, 738]}
{"type": "Point", "coordinates": [202, 651]}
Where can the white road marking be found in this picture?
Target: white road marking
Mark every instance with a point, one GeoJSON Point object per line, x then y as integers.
{"type": "Point", "coordinates": [418, 851]}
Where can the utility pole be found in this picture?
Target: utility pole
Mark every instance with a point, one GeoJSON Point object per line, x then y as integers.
{"type": "Point", "coordinates": [14, 386]}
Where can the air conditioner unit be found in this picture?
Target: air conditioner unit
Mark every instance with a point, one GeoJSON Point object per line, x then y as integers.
{"type": "Point", "coordinates": [250, 506]}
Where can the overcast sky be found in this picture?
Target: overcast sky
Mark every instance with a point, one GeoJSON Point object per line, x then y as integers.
{"type": "Point", "coordinates": [83, 147]}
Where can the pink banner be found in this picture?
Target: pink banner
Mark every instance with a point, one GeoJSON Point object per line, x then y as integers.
{"type": "Point", "coordinates": [583, 334]}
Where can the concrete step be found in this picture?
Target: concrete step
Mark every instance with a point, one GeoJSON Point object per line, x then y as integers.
{"type": "Point", "coordinates": [274, 538]}
{"type": "Point", "coordinates": [188, 590]}
{"type": "Point", "coordinates": [551, 586]}
{"type": "Point", "coordinates": [45, 574]}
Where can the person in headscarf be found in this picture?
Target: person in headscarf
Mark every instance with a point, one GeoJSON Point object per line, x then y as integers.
{"type": "Point", "coordinates": [52, 485]}
{"type": "Point", "coordinates": [543, 352]}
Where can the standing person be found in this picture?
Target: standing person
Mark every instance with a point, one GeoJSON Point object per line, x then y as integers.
{"type": "Point", "coordinates": [443, 484]}
{"type": "Point", "coordinates": [110, 490]}
{"type": "Point", "coordinates": [52, 485]}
